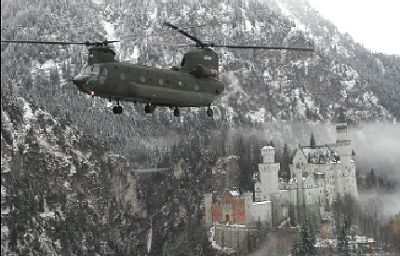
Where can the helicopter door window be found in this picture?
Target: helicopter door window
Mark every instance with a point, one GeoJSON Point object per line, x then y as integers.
{"type": "Point", "coordinates": [105, 72]}
{"type": "Point", "coordinates": [103, 75]}
{"type": "Point", "coordinates": [161, 82]}
{"type": "Point", "coordinates": [180, 83]}
{"type": "Point", "coordinates": [142, 79]}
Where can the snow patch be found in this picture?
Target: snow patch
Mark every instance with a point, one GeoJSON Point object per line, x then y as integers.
{"type": "Point", "coordinates": [98, 2]}
{"type": "Point", "coordinates": [257, 116]}
{"type": "Point", "coordinates": [135, 55]}
{"type": "Point", "coordinates": [3, 191]}
{"type": "Point", "coordinates": [348, 84]}
{"type": "Point", "coordinates": [5, 211]}
{"type": "Point", "coordinates": [47, 213]}
{"type": "Point", "coordinates": [217, 246]}
{"type": "Point", "coordinates": [110, 30]}
{"type": "Point", "coordinates": [285, 11]}
{"type": "Point", "coordinates": [111, 35]}
{"type": "Point", "coordinates": [149, 239]}
{"type": "Point", "coordinates": [4, 232]}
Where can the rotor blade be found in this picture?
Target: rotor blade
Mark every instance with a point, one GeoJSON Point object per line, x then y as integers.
{"type": "Point", "coordinates": [162, 44]}
{"type": "Point", "coordinates": [161, 32]}
{"type": "Point", "coordinates": [194, 39]}
{"type": "Point", "coordinates": [39, 42]}
{"type": "Point", "coordinates": [262, 47]}
{"type": "Point", "coordinates": [58, 42]}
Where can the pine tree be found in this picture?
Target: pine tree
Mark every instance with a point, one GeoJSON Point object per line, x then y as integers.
{"type": "Point", "coordinates": [372, 178]}
{"type": "Point", "coordinates": [304, 244]}
{"type": "Point", "coordinates": [343, 242]}
{"type": "Point", "coordinates": [284, 163]}
{"type": "Point", "coordinates": [312, 141]}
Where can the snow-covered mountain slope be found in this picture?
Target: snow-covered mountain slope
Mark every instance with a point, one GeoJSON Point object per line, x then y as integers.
{"type": "Point", "coordinates": [68, 181]}
{"type": "Point", "coordinates": [341, 74]}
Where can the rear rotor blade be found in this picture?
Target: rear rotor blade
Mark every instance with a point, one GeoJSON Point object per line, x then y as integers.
{"type": "Point", "coordinates": [261, 47]}
{"type": "Point", "coordinates": [193, 38]}
{"type": "Point", "coordinates": [161, 32]}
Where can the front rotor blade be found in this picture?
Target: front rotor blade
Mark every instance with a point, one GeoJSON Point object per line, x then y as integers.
{"type": "Point", "coordinates": [262, 47]}
{"type": "Point", "coordinates": [59, 42]}
{"type": "Point", "coordinates": [40, 42]}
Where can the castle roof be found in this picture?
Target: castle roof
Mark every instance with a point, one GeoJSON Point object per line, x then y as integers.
{"type": "Point", "coordinates": [267, 148]}
{"type": "Point", "coordinates": [321, 154]}
{"type": "Point", "coordinates": [233, 192]}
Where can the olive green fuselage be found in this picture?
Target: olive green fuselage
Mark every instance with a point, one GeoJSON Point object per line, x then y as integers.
{"type": "Point", "coordinates": [138, 83]}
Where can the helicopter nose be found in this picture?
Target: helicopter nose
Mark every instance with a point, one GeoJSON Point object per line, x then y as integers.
{"type": "Point", "coordinates": [80, 82]}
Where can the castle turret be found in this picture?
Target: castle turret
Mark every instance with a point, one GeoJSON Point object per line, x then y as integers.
{"type": "Point", "coordinates": [268, 170]}
{"type": "Point", "coordinates": [268, 154]}
{"type": "Point", "coordinates": [343, 143]}
{"type": "Point", "coordinates": [346, 174]}
{"type": "Point", "coordinates": [207, 209]}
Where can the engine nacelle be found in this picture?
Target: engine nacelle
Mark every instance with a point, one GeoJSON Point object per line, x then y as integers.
{"type": "Point", "coordinates": [201, 72]}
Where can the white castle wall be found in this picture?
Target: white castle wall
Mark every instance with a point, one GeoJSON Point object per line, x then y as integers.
{"type": "Point", "coordinates": [261, 211]}
{"type": "Point", "coordinates": [268, 175]}
{"type": "Point", "coordinates": [312, 184]}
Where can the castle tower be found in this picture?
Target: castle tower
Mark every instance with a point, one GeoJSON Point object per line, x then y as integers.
{"type": "Point", "coordinates": [346, 173]}
{"type": "Point", "coordinates": [343, 143]}
{"type": "Point", "coordinates": [248, 201]}
{"type": "Point", "coordinates": [207, 209]}
{"type": "Point", "coordinates": [268, 169]}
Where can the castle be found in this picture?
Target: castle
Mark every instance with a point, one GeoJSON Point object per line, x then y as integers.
{"type": "Point", "coordinates": [319, 175]}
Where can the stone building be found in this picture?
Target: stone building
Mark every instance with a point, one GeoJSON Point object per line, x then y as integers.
{"type": "Point", "coordinates": [234, 208]}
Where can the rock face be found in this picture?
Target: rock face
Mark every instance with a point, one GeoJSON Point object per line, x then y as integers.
{"type": "Point", "coordinates": [69, 185]}
{"type": "Point", "coordinates": [63, 193]}
{"type": "Point", "coordinates": [59, 188]}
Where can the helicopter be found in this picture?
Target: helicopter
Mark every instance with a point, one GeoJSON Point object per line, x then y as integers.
{"type": "Point", "coordinates": [194, 83]}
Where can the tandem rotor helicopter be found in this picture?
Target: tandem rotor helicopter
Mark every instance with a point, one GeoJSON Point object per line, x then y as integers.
{"type": "Point", "coordinates": [192, 84]}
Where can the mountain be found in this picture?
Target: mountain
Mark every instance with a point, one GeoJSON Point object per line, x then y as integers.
{"type": "Point", "coordinates": [69, 166]}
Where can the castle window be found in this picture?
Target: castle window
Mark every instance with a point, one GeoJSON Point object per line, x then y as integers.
{"type": "Point", "coordinates": [122, 76]}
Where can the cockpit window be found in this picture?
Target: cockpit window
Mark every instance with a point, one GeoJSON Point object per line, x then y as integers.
{"type": "Point", "coordinates": [86, 70]}
{"type": "Point", "coordinates": [95, 70]}
{"type": "Point", "coordinates": [90, 70]}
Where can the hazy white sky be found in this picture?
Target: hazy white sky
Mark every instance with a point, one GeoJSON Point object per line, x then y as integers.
{"type": "Point", "coordinates": [373, 23]}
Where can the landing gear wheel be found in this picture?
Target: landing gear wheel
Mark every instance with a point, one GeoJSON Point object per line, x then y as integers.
{"type": "Point", "coordinates": [117, 109]}
{"type": "Point", "coordinates": [176, 112]}
{"type": "Point", "coordinates": [149, 109]}
{"type": "Point", "coordinates": [209, 111]}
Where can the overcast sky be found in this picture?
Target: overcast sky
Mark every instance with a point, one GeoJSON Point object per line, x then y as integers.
{"type": "Point", "coordinates": [373, 23]}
